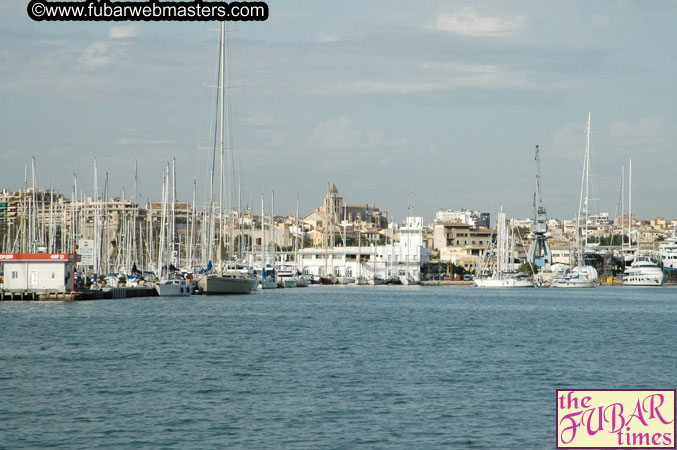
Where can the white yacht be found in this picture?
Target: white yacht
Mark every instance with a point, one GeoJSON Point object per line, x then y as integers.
{"type": "Point", "coordinates": [173, 288]}
{"type": "Point", "coordinates": [643, 272]}
{"type": "Point", "coordinates": [668, 252]}
{"type": "Point", "coordinates": [286, 276]}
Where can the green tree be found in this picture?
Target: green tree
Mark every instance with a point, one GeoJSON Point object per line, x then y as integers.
{"type": "Point", "coordinates": [528, 268]}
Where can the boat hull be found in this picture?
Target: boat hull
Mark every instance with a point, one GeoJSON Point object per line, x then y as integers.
{"type": "Point", "coordinates": [218, 285]}
{"type": "Point", "coordinates": [346, 280]}
{"type": "Point", "coordinates": [644, 278]}
{"type": "Point", "coordinates": [288, 283]}
{"type": "Point", "coordinates": [173, 290]}
{"type": "Point", "coordinates": [502, 283]}
{"type": "Point", "coordinates": [268, 284]}
{"type": "Point", "coordinates": [578, 277]}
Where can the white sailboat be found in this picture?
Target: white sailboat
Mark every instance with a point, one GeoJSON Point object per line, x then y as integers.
{"type": "Point", "coordinates": [503, 275]}
{"type": "Point", "coordinates": [233, 280]}
{"type": "Point", "coordinates": [267, 281]}
{"type": "Point", "coordinates": [168, 285]}
{"type": "Point", "coordinates": [581, 275]}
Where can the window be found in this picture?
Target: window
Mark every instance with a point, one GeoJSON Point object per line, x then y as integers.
{"type": "Point", "coordinates": [15, 275]}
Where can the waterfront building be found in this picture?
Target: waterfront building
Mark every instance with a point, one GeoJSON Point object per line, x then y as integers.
{"type": "Point", "coordinates": [460, 243]}
{"type": "Point", "coordinates": [38, 272]}
{"type": "Point", "coordinates": [401, 259]}
{"type": "Point", "coordinates": [473, 218]}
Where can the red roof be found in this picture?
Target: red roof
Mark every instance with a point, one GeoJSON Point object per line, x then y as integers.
{"type": "Point", "coordinates": [35, 257]}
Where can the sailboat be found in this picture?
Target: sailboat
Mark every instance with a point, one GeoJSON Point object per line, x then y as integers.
{"type": "Point", "coordinates": [267, 271]}
{"type": "Point", "coordinates": [503, 275]}
{"type": "Point", "coordinates": [169, 285]}
{"type": "Point", "coordinates": [581, 275]}
{"type": "Point", "coordinates": [234, 280]}
{"type": "Point", "coordinates": [301, 280]}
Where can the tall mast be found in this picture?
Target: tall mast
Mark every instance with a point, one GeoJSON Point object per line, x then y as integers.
{"type": "Point", "coordinates": [34, 210]}
{"type": "Point", "coordinates": [630, 205]}
{"type": "Point", "coordinates": [622, 204]}
{"type": "Point", "coordinates": [272, 229]}
{"type": "Point", "coordinates": [97, 241]}
{"type": "Point", "coordinates": [239, 219]}
{"type": "Point", "coordinates": [192, 226]}
{"type": "Point", "coordinates": [172, 235]}
{"type": "Point", "coordinates": [135, 211]}
{"type": "Point", "coordinates": [221, 139]}
{"type": "Point", "coordinates": [581, 203]}
{"type": "Point", "coordinates": [263, 237]}
{"type": "Point", "coordinates": [106, 230]}
{"type": "Point", "coordinates": [296, 242]}
{"type": "Point", "coordinates": [163, 221]}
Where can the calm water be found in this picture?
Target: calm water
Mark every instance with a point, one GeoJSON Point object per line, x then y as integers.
{"type": "Point", "coordinates": [324, 367]}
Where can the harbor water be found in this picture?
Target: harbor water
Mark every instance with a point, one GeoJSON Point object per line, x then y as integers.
{"type": "Point", "coordinates": [324, 367]}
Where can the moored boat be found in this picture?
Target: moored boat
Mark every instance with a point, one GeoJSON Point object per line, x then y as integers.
{"type": "Point", "coordinates": [173, 288]}
{"type": "Point", "coordinates": [643, 272]}
{"type": "Point", "coordinates": [227, 284]}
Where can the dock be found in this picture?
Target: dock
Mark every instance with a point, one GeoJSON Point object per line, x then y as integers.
{"type": "Point", "coordinates": [103, 294]}
{"type": "Point", "coordinates": [447, 283]}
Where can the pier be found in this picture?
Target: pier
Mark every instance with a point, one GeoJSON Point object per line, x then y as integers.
{"type": "Point", "coordinates": [104, 294]}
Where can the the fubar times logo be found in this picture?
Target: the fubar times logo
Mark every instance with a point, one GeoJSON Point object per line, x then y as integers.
{"type": "Point", "coordinates": [620, 418]}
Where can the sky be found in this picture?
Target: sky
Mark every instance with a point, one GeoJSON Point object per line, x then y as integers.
{"type": "Point", "coordinates": [443, 99]}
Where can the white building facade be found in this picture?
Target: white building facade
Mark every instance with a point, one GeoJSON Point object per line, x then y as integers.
{"type": "Point", "coordinates": [402, 259]}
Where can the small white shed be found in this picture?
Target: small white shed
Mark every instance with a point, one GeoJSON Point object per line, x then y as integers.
{"type": "Point", "coordinates": [38, 272]}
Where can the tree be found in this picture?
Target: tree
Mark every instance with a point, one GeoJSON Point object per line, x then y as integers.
{"type": "Point", "coordinates": [528, 268]}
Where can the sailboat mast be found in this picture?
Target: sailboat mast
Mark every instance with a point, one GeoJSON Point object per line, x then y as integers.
{"type": "Point", "coordinates": [272, 229]}
{"type": "Point", "coordinates": [134, 256]}
{"type": "Point", "coordinates": [622, 207]}
{"type": "Point", "coordinates": [296, 235]}
{"type": "Point", "coordinates": [584, 188]}
{"type": "Point", "coordinates": [172, 235]}
{"type": "Point", "coordinates": [587, 179]}
{"type": "Point", "coordinates": [263, 236]}
{"type": "Point", "coordinates": [630, 205]}
{"type": "Point", "coordinates": [221, 139]}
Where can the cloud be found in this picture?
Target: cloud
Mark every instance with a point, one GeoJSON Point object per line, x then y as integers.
{"type": "Point", "coordinates": [448, 76]}
{"type": "Point", "coordinates": [328, 37]}
{"type": "Point", "coordinates": [569, 141]}
{"type": "Point", "coordinates": [338, 133]}
{"type": "Point", "coordinates": [123, 32]}
{"type": "Point", "coordinates": [124, 141]}
{"type": "Point", "coordinates": [103, 53]}
{"type": "Point", "coordinates": [341, 134]}
{"type": "Point", "coordinates": [645, 135]}
{"type": "Point", "coordinates": [467, 22]}
{"type": "Point", "coordinates": [96, 55]}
